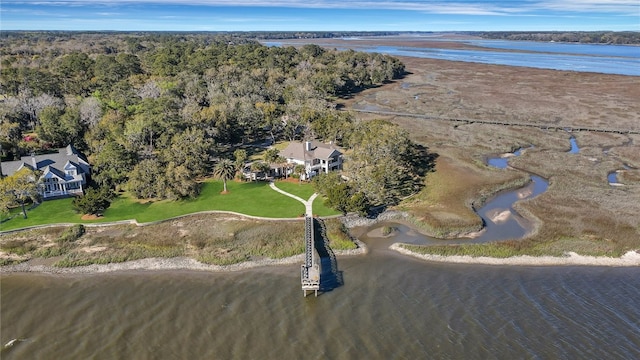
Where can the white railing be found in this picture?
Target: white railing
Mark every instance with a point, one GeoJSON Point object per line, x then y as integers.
{"type": "Point", "coordinates": [53, 193]}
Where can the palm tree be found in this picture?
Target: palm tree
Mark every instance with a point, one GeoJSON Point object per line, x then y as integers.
{"type": "Point", "coordinates": [300, 170]}
{"type": "Point", "coordinates": [225, 169]}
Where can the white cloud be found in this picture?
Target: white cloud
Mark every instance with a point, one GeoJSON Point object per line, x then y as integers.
{"type": "Point", "coordinates": [455, 7]}
{"type": "Point", "coordinates": [609, 6]}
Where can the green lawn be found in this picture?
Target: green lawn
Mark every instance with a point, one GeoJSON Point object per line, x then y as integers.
{"type": "Point", "coordinates": [321, 210]}
{"type": "Point", "coordinates": [53, 211]}
{"type": "Point", "coordinates": [250, 198]}
{"type": "Point", "coordinates": [301, 189]}
{"type": "Point", "coordinates": [305, 190]}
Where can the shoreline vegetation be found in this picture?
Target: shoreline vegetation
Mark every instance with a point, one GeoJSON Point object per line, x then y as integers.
{"type": "Point", "coordinates": [631, 258]}
{"type": "Point", "coordinates": [215, 240]}
{"type": "Point", "coordinates": [163, 264]}
{"type": "Point", "coordinates": [485, 254]}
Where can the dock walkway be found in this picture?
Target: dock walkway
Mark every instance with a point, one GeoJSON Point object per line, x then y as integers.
{"type": "Point", "coordinates": [310, 270]}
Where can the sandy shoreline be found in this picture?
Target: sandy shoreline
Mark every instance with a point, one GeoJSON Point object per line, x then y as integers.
{"type": "Point", "coordinates": [631, 258]}
{"type": "Point", "coordinates": [149, 264]}
{"type": "Point", "coordinates": [161, 264]}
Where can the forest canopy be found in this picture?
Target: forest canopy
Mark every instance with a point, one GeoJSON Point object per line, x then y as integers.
{"type": "Point", "coordinates": [163, 105]}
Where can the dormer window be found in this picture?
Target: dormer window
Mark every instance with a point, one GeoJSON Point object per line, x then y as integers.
{"type": "Point", "coordinates": [70, 169]}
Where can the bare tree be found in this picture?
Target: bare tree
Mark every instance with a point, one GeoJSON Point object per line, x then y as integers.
{"type": "Point", "coordinates": [90, 111]}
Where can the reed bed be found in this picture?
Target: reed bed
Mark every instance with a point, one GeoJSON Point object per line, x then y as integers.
{"type": "Point", "coordinates": [580, 211]}
{"type": "Point", "coordinates": [209, 238]}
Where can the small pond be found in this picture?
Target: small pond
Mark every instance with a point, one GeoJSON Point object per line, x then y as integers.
{"type": "Point", "coordinates": [574, 146]}
{"type": "Point", "coordinates": [612, 177]}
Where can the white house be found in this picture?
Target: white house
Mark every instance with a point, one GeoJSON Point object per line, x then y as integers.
{"type": "Point", "coordinates": [315, 156]}
{"type": "Point", "coordinates": [62, 174]}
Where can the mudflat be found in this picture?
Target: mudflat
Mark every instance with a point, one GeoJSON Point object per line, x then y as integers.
{"type": "Point", "coordinates": [580, 211]}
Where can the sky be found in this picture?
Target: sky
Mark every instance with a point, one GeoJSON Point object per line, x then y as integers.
{"type": "Point", "coordinates": [321, 15]}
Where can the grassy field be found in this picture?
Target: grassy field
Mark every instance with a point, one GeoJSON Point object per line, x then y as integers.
{"type": "Point", "coordinates": [250, 198]}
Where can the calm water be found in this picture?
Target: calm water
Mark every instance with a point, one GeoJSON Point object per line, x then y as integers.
{"type": "Point", "coordinates": [391, 307]}
{"type": "Point", "coordinates": [574, 146]}
{"type": "Point", "coordinates": [566, 48]}
{"type": "Point", "coordinates": [502, 162]}
{"type": "Point", "coordinates": [612, 177]}
{"type": "Point", "coordinates": [608, 59]}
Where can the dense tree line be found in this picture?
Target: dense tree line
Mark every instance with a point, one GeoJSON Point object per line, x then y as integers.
{"type": "Point", "coordinates": [589, 37]}
{"type": "Point", "coordinates": [383, 166]}
{"type": "Point", "coordinates": [160, 106]}
{"type": "Point", "coordinates": [314, 34]}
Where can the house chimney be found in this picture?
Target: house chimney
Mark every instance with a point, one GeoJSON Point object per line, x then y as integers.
{"type": "Point", "coordinates": [307, 145]}
{"type": "Point", "coordinates": [33, 161]}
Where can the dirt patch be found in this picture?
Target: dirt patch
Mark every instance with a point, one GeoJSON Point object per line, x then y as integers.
{"type": "Point", "coordinates": [93, 249]}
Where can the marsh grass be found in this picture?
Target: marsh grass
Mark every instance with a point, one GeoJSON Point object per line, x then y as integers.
{"type": "Point", "coordinates": [210, 238]}
{"type": "Point", "coordinates": [445, 207]}
{"type": "Point", "coordinates": [71, 234]}
{"type": "Point", "coordinates": [24, 245]}
{"type": "Point", "coordinates": [388, 230]}
{"type": "Point", "coordinates": [339, 238]}
{"type": "Point", "coordinates": [579, 211]}
{"type": "Point", "coordinates": [629, 177]}
{"type": "Point", "coordinates": [18, 247]}
{"type": "Point", "coordinates": [504, 249]}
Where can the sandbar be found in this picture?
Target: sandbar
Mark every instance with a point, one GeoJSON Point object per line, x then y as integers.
{"type": "Point", "coordinates": [631, 258]}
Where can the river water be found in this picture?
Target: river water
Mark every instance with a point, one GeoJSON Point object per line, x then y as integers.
{"type": "Point", "coordinates": [608, 59]}
{"type": "Point", "coordinates": [390, 307]}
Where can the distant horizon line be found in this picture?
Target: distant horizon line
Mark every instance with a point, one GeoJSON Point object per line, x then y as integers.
{"type": "Point", "coordinates": [323, 31]}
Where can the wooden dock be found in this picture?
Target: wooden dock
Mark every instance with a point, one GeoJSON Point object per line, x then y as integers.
{"type": "Point", "coordinates": [310, 270]}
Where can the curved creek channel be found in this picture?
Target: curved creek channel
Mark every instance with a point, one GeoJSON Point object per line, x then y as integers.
{"type": "Point", "coordinates": [501, 221]}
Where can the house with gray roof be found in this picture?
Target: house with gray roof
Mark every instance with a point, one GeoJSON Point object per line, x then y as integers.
{"type": "Point", "coordinates": [61, 174]}
{"type": "Point", "coordinates": [316, 157]}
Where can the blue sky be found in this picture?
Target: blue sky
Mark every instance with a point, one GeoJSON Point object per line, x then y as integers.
{"type": "Point", "coordinates": [320, 15]}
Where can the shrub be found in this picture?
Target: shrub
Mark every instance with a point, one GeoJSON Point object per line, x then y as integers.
{"type": "Point", "coordinates": [71, 234]}
{"type": "Point", "coordinates": [94, 201]}
{"type": "Point", "coordinates": [18, 247]}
